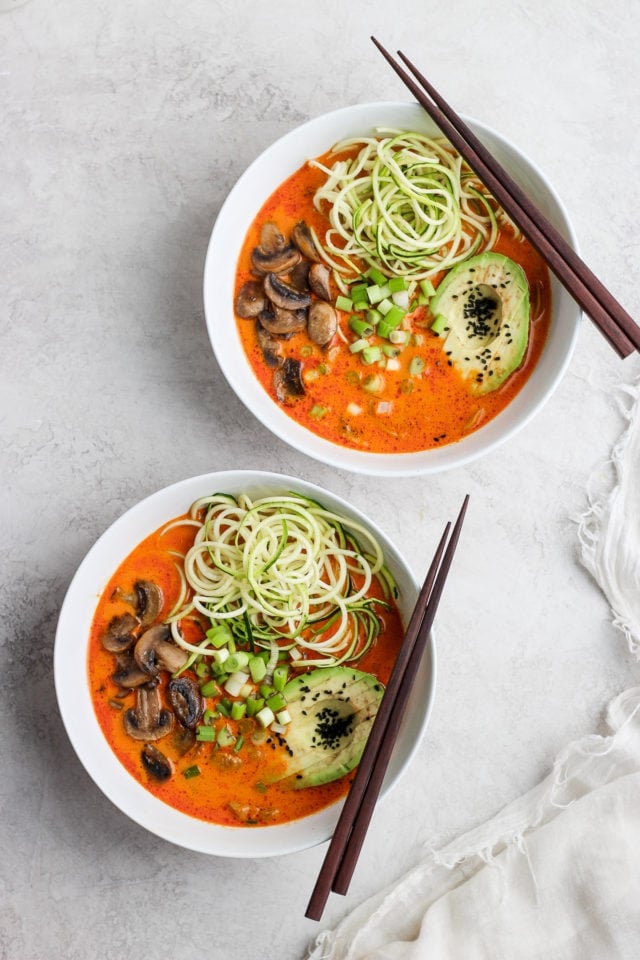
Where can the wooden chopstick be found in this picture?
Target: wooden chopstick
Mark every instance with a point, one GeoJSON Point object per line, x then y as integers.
{"type": "Point", "coordinates": [589, 293]}
{"type": "Point", "coordinates": [344, 849]}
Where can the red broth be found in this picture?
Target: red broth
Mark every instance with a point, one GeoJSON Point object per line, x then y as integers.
{"type": "Point", "coordinates": [439, 409]}
{"type": "Point", "coordinates": [231, 788]}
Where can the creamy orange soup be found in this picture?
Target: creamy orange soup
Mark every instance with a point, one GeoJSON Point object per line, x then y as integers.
{"type": "Point", "coordinates": [221, 784]}
{"type": "Point", "coordinates": [409, 413]}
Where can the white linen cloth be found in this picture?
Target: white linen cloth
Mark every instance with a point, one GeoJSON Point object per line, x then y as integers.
{"type": "Point", "coordinates": [556, 875]}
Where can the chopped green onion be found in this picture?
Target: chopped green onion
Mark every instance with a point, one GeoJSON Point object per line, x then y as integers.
{"type": "Point", "coordinates": [220, 635]}
{"type": "Point", "coordinates": [283, 717]}
{"type": "Point", "coordinates": [398, 336]}
{"type": "Point", "coordinates": [440, 324]}
{"type": "Point", "coordinates": [373, 316]}
{"type": "Point", "coordinates": [384, 306]}
{"type": "Point", "coordinates": [254, 705]}
{"type": "Point", "coordinates": [344, 303]}
{"type": "Point", "coordinates": [202, 669]}
{"type": "Point", "coordinates": [360, 305]}
{"type": "Point", "coordinates": [416, 366]}
{"type": "Point", "coordinates": [358, 345]}
{"type": "Point", "coordinates": [210, 689]}
{"type": "Point", "coordinates": [373, 383]}
{"type": "Point", "coordinates": [276, 702]}
{"type": "Point", "coordinates": [376, 275]}
{"type": "Point", "coordinates": [224, 707]}
{"type": "Point", "coordinates": [306, 350]}
{"type": "Point", "coordinates": [236, 661]}
{"type": "Point", "coordinates": [238, 744]}
{"type": "Point", "coordinates": [265, 717]}
{"type": "Point", "coordinates": [396, 284]}
{"type": "Point", "coordinates": [192, 771]}
{"type": "Point", "coordinates": [209, 716]}
{"type": "Point", "coordinates": [205, 734]}
{"type": "Point", "coordinates": [427, 288]}
{"type": "Point", "coordinates": [235, 682]}
{"type": "Point", "coordinates": [257, 669]}
{"type": "Point", "coordinates": [389, 351]}
{"type": "Point", "coordinates": [359, 327]}
{"type": "Point", "coordinates": [395, 315]}
{"type": "Point", "coordinates": [371, 354]}
{"type": "Point", "coordinates": [317, 411]}
{"type": "Point", "coordinates": [358, 292]}
{"type": "Point", "coordinates": [280, 676]}
{"type": "Point", "coordinates": [238, 710]}
{"type": "Point", "coordinates": [225, 738]}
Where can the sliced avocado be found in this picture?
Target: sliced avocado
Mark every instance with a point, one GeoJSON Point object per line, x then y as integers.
{"type": "Point", "coordinates": [332, 710]}
{"type": "Point", "coordinates": [482, 312]}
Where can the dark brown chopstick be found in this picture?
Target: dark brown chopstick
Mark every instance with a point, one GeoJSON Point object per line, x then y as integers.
{"type": "Point", "coordinates": [589, 293]}
{"type": "Point", "coordinates": [345, 846]}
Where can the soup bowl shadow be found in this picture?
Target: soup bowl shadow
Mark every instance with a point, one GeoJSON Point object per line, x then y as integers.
{"type": "Point", "coordinates": [74, 698]}
{"type": "Point", "coordinates": [244, 201]}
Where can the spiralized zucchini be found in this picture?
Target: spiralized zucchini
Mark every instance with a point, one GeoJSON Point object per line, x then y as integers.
{"type": "Point", "coordinates": [406, 204]}
{"type": "Point", "coordinates": [283, 573]}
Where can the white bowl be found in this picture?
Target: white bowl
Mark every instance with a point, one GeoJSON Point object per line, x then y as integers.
{"type": "Point", "coordinates": [242, 205]}
{"type": "Point", "coordinates": [72, 688]}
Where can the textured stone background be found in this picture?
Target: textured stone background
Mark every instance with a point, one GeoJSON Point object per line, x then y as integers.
{"type": "Point", "coordinates": [123, 126]}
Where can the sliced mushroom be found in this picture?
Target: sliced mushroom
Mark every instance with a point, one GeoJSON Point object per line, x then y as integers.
{"type": "Point", "coordinates": [299, 276]}
{"type": "Point", "coordinates": [287, 380]}
{"type": "Point", "coordinates": [279, 322]}
{"type": "Point", "coordinates": [128, 674]}
{"type": "Point", "coordinates": [149, 601]}
{"type": "Point", "coordinates": [183, 740]}
{"type": "Point", "coordinates": [284, 296]}
{"type": "Point", "coordinates": [272, 240]}
{"type": "Point", "coordinates": [120, 633]}
{"type": "Point", "coordinates": [154, 651]}
{"type": "Point", "coordinates": [186, 700]}
{"type": "Point", "coordinates": [148, 721]}
{"type": "Point", "coordinates": [303, 239]}
{"type": "Point", "coordinates": [155, 763]}
{"type": "Point", "coordinates": [251, 299]}
{"type": "Point", "coordinates": [323, 322]}
{"type": "Point", "coordinates": [274, 254]}
{"type": "Point", "coordinates": [271, 348]}
{"type": "Point", "coordinates": [319, 280]}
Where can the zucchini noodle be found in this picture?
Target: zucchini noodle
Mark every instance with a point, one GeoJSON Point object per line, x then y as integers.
{"type": "Point", "coordinates": [406, 204]}
{"type": "Point", "coordinates": [283, 573]}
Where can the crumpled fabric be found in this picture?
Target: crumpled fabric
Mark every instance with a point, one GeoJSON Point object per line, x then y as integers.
{"type": "Point", "coordinates": [556, 874]}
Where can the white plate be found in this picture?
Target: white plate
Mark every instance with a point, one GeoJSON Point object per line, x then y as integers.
{"type": "Point", "coordinates": [241, 207]}
{"type": "Point", "coordinates": [72, 687]}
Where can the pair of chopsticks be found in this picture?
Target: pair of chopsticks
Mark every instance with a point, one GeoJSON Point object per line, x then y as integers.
{"type": "Point", "coordinates": [589, 293]}
{"type": "Point", "coordinates": [344, 849]}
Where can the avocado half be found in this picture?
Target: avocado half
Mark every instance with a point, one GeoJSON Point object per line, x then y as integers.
{"type": "Point", "coordinates": [332, 711]}
{"type": "Point", "coordinates": [481, 311]}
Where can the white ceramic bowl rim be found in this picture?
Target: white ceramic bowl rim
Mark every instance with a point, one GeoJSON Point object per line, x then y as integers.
{"type": "Point", "coordinates": [257, 183]}
{"type": "Point", "coordinates": [72, 688]}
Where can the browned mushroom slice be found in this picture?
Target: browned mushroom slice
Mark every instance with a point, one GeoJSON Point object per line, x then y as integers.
{"type": "Point", "coordinates": [149, 601]}
{"type": "Point", "coordinates": [274, 254]}
{"type": "Point", "coordinates": [303, 239]}
{"type": "Point", "coordinates": [128, 674]}
{"type": "Point", "coordinates": [279, 322]}
{"type": "Point", "coordinates": [271, 348]}
{"type": "Point", "coordinates": [287, 380]}
{"type": "Point", "coordinates": [120, 633]}
{"type": "Point", "coordinates": [323, 322]}
{"type": "Point", "coordinates": [155, 763]}
{"type": "Point", "coordinates": [250, 300]}
{"type": "Point", "coordinates": [147, 720]}
{"type": "Point", "coordinates": [272, 240]}
{"type": "Point", "coordinates": [319, 281]}
{"type": "Point", "coordinates": [154, 651]}
{"type": "Point", "coordinates": [299, 276]}
{"type": "Point", "coordinates": [284, 296]}
{"type": "Point", "coordinates": [186, 700]}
